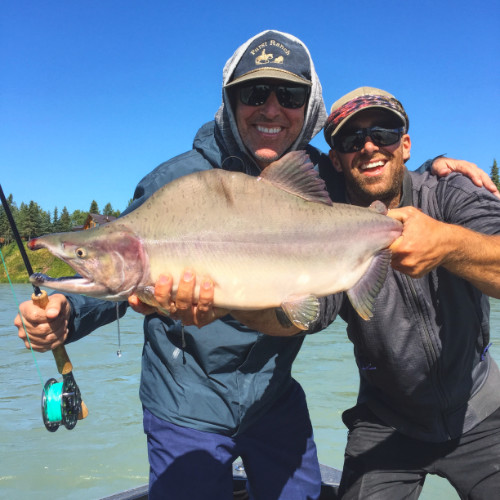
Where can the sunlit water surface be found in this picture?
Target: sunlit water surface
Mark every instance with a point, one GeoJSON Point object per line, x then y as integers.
{"type": "Point", "coordinates": [106, 452]}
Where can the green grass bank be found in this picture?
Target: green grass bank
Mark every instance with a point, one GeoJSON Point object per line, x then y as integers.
{"type": "Point", "coordinates": [41, 261]}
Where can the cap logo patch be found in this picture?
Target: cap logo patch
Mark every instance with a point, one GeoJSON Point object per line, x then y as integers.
{"type": "Point", "coordinates": [273, 56]}
{"type": "Point", "coordinates": [265, 58]}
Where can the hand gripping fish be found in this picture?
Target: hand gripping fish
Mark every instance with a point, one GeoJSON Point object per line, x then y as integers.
{"type": "Point", "coordinates": [268, 241]}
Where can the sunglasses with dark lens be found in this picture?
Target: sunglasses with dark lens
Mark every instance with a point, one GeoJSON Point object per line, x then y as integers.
{"type": "Point", "coordinates": [355, 141]}
{"type": "Point", "coordinates": [289, 96]}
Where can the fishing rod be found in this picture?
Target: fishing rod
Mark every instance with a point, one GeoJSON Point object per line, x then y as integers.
{"type": "Point", "coordinates": [61, 402]}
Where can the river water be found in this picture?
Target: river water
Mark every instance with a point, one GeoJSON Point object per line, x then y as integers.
{"type": "Point", "coordinates": [106, 452]}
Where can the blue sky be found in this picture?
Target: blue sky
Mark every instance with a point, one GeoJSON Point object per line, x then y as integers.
{"type": "Point", "coordinates": [95, 93]}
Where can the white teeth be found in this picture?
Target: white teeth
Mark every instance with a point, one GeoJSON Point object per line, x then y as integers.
{"type": "Point", "coordinates": [367, 166]}
{"type": "Point", "coordinates": [266, 130]}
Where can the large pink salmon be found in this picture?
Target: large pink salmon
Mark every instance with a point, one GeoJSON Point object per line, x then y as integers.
{"type": "Point", "coordinates": [268, 241]}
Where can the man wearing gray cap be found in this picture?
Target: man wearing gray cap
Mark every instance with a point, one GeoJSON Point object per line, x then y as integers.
{"type": "Point", "coordinates": [213, 394]}
{"type": "Point", "coordinates": [429, 398]}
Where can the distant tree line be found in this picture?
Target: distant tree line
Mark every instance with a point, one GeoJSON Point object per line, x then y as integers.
{"type": "Point", "coordinates": [31, 220]}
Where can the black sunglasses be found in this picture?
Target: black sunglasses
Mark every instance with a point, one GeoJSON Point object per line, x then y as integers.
{"type": "Point", "coordinates": [355, 141]}
{"type": "Point", "coordinates": [289, 96]}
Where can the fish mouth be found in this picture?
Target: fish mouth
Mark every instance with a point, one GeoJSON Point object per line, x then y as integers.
{"type": "Point", "coordinates": [69, 284]}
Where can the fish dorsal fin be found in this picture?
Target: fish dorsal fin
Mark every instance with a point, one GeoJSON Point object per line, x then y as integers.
{"type": "Point", "coordinates": [295, 174]}
{"type": "Point", "coordinates": [363, 294]}
{"type": "Point", "coordinates": [301, 311]}
{"type": "Point", "coordinates": [379, 207]}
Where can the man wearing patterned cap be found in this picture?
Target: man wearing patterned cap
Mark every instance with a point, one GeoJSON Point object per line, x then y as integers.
{"type": "Point", "coordinates": [429, 398]}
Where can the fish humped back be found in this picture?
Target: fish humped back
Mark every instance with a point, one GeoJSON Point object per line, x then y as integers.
{"type": "Point", "coordinates": [268, 241]}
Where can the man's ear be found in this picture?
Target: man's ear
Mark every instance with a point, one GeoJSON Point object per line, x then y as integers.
{"type": "Point", "coordinates": [335, 160]}
{"type": "Point", "coordinates": [406, 142]}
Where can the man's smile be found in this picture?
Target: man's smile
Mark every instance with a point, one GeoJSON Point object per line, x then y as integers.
{"type": "Point", "coordinates": [372, 165]}
{"type": "Point", "coordinates": [267, 130]}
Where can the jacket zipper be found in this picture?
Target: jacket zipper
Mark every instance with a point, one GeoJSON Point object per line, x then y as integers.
{"type": "Point", "coordinates": [430, 348]}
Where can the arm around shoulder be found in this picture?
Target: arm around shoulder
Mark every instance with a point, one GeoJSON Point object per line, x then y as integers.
{"type": "Point", "coordinates": [442, 166]}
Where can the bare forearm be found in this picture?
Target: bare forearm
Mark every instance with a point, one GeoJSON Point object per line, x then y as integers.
{"type": "Point", "coordinates": [427, 243]}
{"type": "Point", "coordinates": [474, 257]}
{"type": "Point", "coordinates": [265, 321]}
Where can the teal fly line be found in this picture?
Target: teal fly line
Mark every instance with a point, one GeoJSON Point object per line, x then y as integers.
{"type": "Point", "coordinates": [53, 404]}
{"type": "Point", "coordinates": [21, 316]}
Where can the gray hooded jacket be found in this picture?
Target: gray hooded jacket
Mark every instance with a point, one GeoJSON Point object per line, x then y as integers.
{"type": "Point", "coordinates": [222, 377]}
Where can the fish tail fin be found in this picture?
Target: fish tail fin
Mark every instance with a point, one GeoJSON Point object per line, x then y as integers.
{"type": "Point", "coordinates": [363, 294]}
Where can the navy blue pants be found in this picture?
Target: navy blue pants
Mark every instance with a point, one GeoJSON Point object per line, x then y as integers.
{"type": "Point", "coordinates": [381, 463]}
{"type": "Point", "coordinates": [278, 452]}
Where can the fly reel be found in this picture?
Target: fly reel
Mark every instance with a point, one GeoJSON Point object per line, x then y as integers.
{"type": "Point", "coordinates": [61, 403]}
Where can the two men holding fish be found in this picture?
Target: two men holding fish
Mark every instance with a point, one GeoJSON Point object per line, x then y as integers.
{"type": "Point", "coordinates": [227, 391]}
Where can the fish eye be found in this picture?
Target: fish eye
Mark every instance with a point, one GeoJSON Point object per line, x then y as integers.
{"type": "Point", "coordinates": [81, 252]}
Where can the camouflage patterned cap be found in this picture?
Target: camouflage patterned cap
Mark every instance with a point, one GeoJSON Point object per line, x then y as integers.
{"type": "Point", "coordinates": [358, 100]}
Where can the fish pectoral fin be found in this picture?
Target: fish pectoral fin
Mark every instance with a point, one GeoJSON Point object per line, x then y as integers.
{"type": "Point", "coordinates": [363, 294]}
{"type": "Point", "coordinates": [146, 294]}
{"type": "Point", "coordinates": [302, 311]}
{"type": "Point", "coordinates": [295, 174]}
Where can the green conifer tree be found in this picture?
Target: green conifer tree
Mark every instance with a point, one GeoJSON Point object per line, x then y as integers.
{"type": "Point", "coordinates": [65, 221]}
{"type": "Point", "coordinates": [31, 220]}
{"type": "Point", "coordinates": [494, 174]}
{"type": "Point", "coordinates": [78, 218]}
{"type": "Point", "coordinates": [108, 209]}
{"type": "Point", "coordinates": [55, 221]}
{"type": "Point", "coordinates": [6, 234]}
{"type": "Point", "coordinates": [46, 226]}
{"type": "Point", "coordinates": [94, 207]}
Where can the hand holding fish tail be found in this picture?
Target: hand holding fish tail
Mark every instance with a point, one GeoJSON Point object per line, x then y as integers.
{"type": "Point", "coordinates": [470, 255]}
{"type": "Point", "coordinates": [47, 328]}
{"type": "Point", "coordinates": [412, 253]}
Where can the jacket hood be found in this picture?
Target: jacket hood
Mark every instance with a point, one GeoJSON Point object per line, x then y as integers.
{"type": "Point", "coordinates": [315, 116]}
